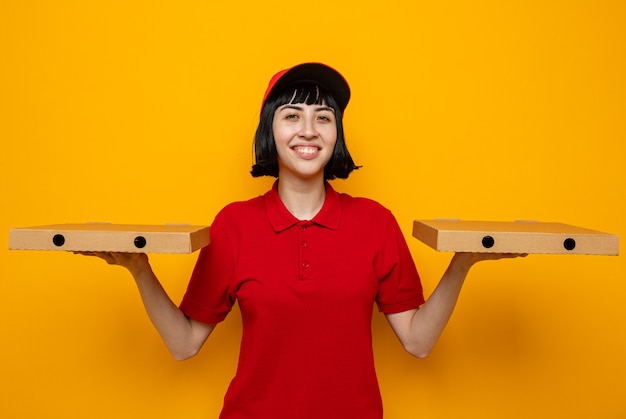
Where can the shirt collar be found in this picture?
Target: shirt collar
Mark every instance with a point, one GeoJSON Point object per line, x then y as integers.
{"type": "Point", "coordinates": [281, 219]}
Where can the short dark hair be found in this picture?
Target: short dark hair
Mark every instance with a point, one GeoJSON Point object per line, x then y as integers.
{"type": "Point", "coordinates": [340, 164]}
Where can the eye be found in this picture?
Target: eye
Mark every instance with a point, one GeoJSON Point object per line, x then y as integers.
{"type": "Point", "coordinates": [325, 117]}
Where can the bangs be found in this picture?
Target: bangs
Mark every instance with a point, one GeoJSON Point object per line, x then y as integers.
{"type": "Point", "coordinates": [308, 93]}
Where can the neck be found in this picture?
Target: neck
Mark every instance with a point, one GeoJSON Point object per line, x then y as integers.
{"type": "Point", "coordinates": [303, 198]}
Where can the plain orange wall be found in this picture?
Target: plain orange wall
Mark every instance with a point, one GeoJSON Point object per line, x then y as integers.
{"type": "Point", "coordinates": [140, 112]}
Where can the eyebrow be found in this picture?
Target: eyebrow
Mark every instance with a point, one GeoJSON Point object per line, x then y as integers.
{"type": "Point", "coordinates": [300, 108]}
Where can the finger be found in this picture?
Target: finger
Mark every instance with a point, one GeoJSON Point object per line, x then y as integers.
{"type": "Point", "coordinates": [108, 257]}
{"type": "Point", "coordinates": [511, 255]}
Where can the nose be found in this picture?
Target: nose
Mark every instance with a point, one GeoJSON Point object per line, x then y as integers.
{"type": "Point", "coordinates": [308, 129]}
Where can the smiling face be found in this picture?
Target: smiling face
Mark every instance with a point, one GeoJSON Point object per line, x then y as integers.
{"type": "Point", "coordinates": [266, 156]}
{"type": "Point", "coordinates": [305, 137]}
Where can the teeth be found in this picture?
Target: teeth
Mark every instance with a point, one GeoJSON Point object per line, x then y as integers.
{"type": "Point", "coordinates": [306, 150]}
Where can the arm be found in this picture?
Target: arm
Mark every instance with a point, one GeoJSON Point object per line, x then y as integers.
{"type": "Point", "coordinates": [183, 336]}
{"type": "Point", "coordinates": [419, 329]}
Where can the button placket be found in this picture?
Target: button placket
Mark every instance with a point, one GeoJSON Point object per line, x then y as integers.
{"type": "Point", "coordinates": [303, 246]}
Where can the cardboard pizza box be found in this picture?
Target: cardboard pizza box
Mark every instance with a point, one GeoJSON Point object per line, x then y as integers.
{"type": "Point", "coordinates": [105, 237]}
{"type": "Point", "coordinates": [513, 237]}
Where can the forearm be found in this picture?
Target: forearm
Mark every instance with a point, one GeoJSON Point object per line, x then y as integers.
{"type": "Point", "coordinates": [177, 331]}
{"type": "Point", "coordinates": [430, 320]}
{"type": "Point", "coordinates": [419, 329]}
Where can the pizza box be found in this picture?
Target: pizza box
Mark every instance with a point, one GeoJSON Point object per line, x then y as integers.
{"type": "Point", "coordinates": [105, 237]}
{"type": "Point", "coordinates": [451, 235]}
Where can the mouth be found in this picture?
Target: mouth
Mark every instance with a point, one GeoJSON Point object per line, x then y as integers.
{"type": "Point", "coordinates": [306, 152]}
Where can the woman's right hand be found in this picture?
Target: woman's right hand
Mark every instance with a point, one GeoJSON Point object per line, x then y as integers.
{"type": "Point", "coordinates": [134, 262]}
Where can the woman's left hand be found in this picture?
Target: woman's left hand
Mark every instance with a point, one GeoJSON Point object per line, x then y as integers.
{"type": "Point", "coordinates": [470, 258]}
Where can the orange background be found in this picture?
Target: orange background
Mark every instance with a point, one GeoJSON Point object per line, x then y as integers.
{"type": "Point", "coordinates": [143, 112]}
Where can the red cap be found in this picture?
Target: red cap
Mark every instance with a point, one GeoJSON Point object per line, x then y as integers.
{"type": "Point", "coordinates": [317, 73]}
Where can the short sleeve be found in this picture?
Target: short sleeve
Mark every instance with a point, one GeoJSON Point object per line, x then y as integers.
{"type": "Point", "coordinates": [400, 287]}
{"type": "Point", "coordinates": [209, 296]}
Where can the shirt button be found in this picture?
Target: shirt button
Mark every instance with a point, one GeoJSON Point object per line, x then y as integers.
{"type": "Point", "coordinates": [304, 244]}
{"type": "Point", "coordinates": [305, 265]}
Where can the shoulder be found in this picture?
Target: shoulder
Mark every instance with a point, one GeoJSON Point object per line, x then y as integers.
{"type": "Point", "coordinates": [369, 220]}
{"type": "Point", "coordinates": [358, 204]}
{"type": "Point", "coordinates": [365, 211]}
{"type": "Point", "coordinates": [236, 220]}
{"type": "Point", "coordinates": [241, 210]}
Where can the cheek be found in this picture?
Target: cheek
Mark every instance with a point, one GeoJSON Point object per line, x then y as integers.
{"type": "Point", "coordinates": [331, 137]}
{"type": "Point", "coordinates": [280, 137]}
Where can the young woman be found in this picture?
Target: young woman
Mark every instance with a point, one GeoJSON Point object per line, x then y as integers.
{"type": "Point", "coordinates": [306, 265]}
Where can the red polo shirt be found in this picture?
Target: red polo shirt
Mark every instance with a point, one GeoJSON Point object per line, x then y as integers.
{"type": "Point", "coordinates": [306, 291]}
